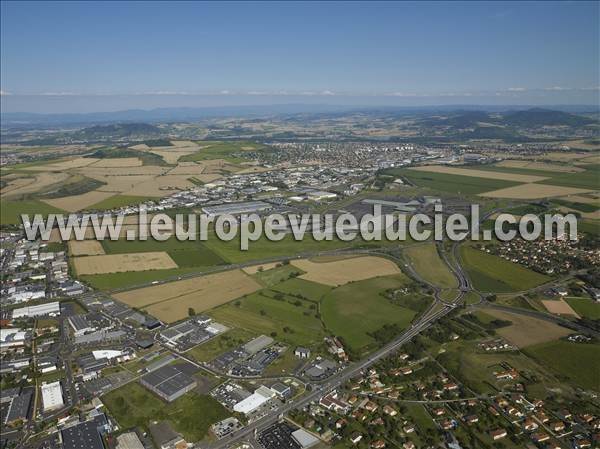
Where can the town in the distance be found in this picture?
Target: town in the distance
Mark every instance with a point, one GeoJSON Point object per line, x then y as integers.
{"type": "Point", "coordinates": [146, 344]}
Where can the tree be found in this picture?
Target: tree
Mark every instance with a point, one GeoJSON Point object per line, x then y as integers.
{"type": "Point", "coordinates": [191, 311]}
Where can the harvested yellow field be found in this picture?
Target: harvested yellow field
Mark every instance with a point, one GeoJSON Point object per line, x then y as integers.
{"type": "Point", "coordinates": [118, 162]}
{"type": "Point", "coordinates": [85, 248]}
{"type": "Point", "coordinates": [188, 168]}
{"type": "Point", "coordinates": [140, 147]}
{"type": "Point", "coordinates": [36, 183]}
{"type": "Point", "coordinates": [76, 203]}
{"type": "Point", "coordinates": [527, 331]}
{"type": "Point", "coordinates": [66, 165]}
{"type": "Point", "coordinates": [161, 186]}
{"type": "Point", "coordinates": [259, 268]}
{"type": "Point", "coordinates": [121, 183]}
{"type": "Point", "coordinates": [591, 160]}
{"type": "Point", "coordinates": [172, 156]}
{"type": "Point", "coordinates": [341, 272]}
{"type": "Point", "coordinates": [533, 191]}
{"type": "Point", "coordinates": [564, 157]}
{"type": "Point", "coordinates": [545, 166]}
{"type": "Point", "coordinates": [592, 198]}
{"type": "Point", "coordinates": [184, 143]}
{"type": "Point", "coordinates": [119, 263]}
{"type": "Point", "coordinates": [122, 171]}
{"type": "Point", "coordinates": [559, 307]}
{"type": "Point", "coordinates": [497, 214]}
{"type": "Point", "coordinates": [170, 302]}
{"type": "Point", "coordinates": [479, 173]}
{"type": "Point", "coordinates": [589, 215]}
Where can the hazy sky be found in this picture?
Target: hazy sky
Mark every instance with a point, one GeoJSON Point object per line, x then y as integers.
{"type": "Point", "coordinates": [151, 54]}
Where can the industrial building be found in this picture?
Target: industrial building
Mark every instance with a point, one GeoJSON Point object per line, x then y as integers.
{"type": "Point", "coordinates": [52, 397]}
{"type": "Point", "coordinates": [51, 308]}
{"type": "Point", "coordinates": [168, 382]}
{"type": "Point", "coordinates": [237, 208]}
{"type": "Point", "coordinates": [256, 344]}
{"type": "Point", "coordinates": [85, 435]}
{"type": "Point", "coordinates": [261, 396]}
{"type": "Point", "coordinates": [12, 337]}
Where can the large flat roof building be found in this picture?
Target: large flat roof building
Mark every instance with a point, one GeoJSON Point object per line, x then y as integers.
{"type": "Point", "coordinates": [51, 308]}
{"type": "Point", "coordinates": [237, 208]}
{"type": "Point", "coordinates": [168, 382]}
{"type": "Point", "coordinates": [52, 398]}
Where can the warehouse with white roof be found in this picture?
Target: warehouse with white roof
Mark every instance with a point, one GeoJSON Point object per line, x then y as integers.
{"type": "Point", "coordinates": [52, 397]}
{"type": "Point", "coordinates": [261, 396]}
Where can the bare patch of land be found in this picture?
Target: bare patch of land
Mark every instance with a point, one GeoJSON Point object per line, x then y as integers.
{"type": "Point", "coordinates": [119, 263]}
{"type": "Point", "coordinates": [85, 248]}
{"type": "Point", "coordinates": [341, 272]}
{"type": "Point", "coordinates": [170, 302]}
{"type": "Point", "coordinates": [76, 203]}
{"type": "Point", "coordinates": [544, 166]}
{"type": "Point", "coordinates": [527, 331]}
{"type": "Point", "coordinates": [533, 191]}
{"type": "Point", "coordinates": [479, 173]}
{"type": "Point", "coordinates": [559, 307]}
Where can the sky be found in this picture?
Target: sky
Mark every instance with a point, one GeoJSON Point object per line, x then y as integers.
{"type": "Point", "coordinates": [87, 56]}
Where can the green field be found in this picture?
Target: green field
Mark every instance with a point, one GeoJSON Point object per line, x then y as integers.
{"type": "Point", "coordinates": [276, 275]}
{"type": "Point", "coordinates": [264, 248]}
{"type": "Point", "coordinates": [119, 201]}
{"type": "Point", "coordinates": [581, 207]}
{"type": "Point", "coordinates": [142, 246]}
{"type": "Point", "coordinates": [575, 362]}
{"type": "Point", "coordinates": [354, 310]}
{"type": "Point", "coordinates": [198, 257]}
{"type": "Point", "coordinates": [310, 290]}
{"type": "Point", "coordinates": [585, 307]}
{"type": "Point", "coordinates": [191, 415]}
{"type": "Point", "coordinates": [293, 320]}
{"type": "Point", "coordinates": [109, 281]}
{"type": "Point", "coordinates": [587, 179]}
{"type": "Point", "coordinates": [490, 273]}
{"type": "Point", "coordinates": [10, 211]}
{"type": "Point", "coordinates": [450, 183]}
{"type": "Point", "coordinates": [589, 226]}
{"type": "Point", "coordinates": [475, 369]}
{"type": "Point", "coordinates": [428, 264]}
{"type": "Point", "coordinates": [582, 180]}
{"type": "Point", "coordinates": [222, 150]}
{"type": "Point", "coordinates": [221, 343]}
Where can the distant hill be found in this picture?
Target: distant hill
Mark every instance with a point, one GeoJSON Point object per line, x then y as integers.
{"type": "Point", "coordinates": [536, 117]}
{"type": "Point", "coordinates": [119, 130]}
{"type": "Point", "coordinates": [461, 119]}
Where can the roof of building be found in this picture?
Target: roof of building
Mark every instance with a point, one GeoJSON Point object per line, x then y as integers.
{"type": "Point", "coordinates": [52, 395]}
{"type": "Point", "coordinates": [168, 380]}
{"type": "Point", "coordinates": [258, 343]}
{"type": "Point", "coordinates": [129, 440]}
{"type": "Point", "coordinates": [304, 439]}
{"type": "Point", "coordinates": [84, 435]}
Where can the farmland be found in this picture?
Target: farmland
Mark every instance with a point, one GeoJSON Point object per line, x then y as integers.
{"type": "Point", "coordinates": [426, 261]}
{"type": "Point", "coordinates": [355, 310]}
{"type": "Point", "coordinates": [291, 320]}
{"type": "Point", "coordinates": [170, 302]}
{"type": "Point", "coordinates": [527, 331]}
{"type": "Point", "coordinates": [11, 211]}
{"type": "Point", "coordinates": [443, 182]}
{"type": "Point", "coordinates": [117, 263]}
{"type": "Point", "coordinates": [341, 272]}
{"type": "Point", "coordinates": [585, 307]}
{"type": "Point", "coordinates": [576, 363]}
{"type": "Point", "coordinates": [490, 273]}
{"type": "Point", "coordinates": [475, 369]}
